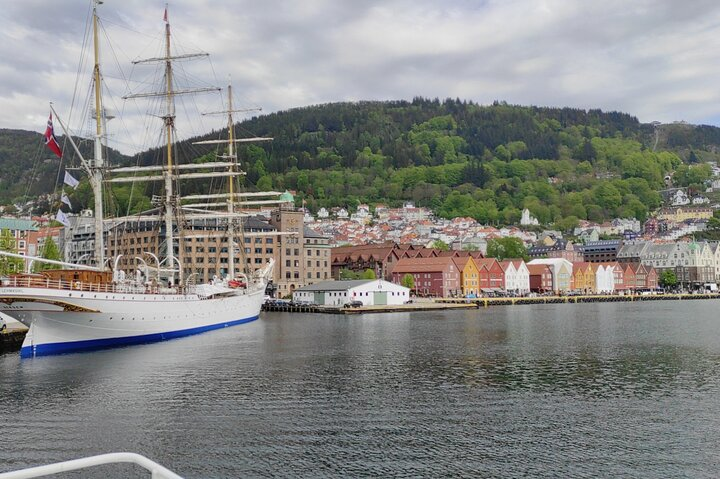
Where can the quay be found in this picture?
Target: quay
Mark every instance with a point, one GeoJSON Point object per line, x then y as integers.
{"type": "Point", "coordinates": [12, 338]}
{"type": "Point", "coordinates": [475, 303]}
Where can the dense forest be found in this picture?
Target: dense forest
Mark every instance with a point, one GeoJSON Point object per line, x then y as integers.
{"type": "Point", "coordinates": [456, 157]}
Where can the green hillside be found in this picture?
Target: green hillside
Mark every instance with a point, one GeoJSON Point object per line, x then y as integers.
{"type": "Point", "coordinates": [463, 159]}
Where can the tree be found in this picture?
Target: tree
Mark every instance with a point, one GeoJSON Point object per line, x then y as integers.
{"type": "Point", "coordinates": [50, 251]}
{"type": "Point", "coordinates": [668, 279]}
{"type": "Point", "coordinates": [441, 245]}
{"type": "Point", "coordinates": [408, 281]}
{"type": "Point", "coordinates": [368, 274]}
{"type": "Point", "coordinates": [346, 274]}
{"type": "Point", "coordinates": [9, 265]}
{"type": "Point", "coordinates": [503, 248]}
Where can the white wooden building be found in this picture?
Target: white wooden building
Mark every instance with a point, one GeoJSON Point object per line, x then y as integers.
{"type": "Point", "coordinates": [517, 276]}
{"type": "Point", "coordinates": [337, 293]}
{"type": "Point", "coordinates": [605, 279]}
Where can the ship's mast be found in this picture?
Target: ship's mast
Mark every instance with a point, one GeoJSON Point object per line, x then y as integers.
{"type": "Point", "coordinates": [231, 183]}
{"type": "Point", "coordinates": [169, 123]}
{"type": "Point", "coordinates": [96, 166]}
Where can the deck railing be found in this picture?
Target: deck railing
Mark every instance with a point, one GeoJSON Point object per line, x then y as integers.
{"type": "Point", "coordinates": [121, 288]}
{"type": "Point", "coordinates": [156, 470]}
{"type": "Point", "coordinates": [37, 282]}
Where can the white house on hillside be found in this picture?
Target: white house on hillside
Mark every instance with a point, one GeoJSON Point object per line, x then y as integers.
{"type": "Point", "coordinates": [338, 293]}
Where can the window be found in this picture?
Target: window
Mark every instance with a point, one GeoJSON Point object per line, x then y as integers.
{"type": "Point", "coordinates": [268, 251]}
{"type": "Point", "coordinates": [268, 240]}
{"type": "Point", "coordinates": [247, 240]}
{"type": "Point", "coordinates": [258, 250]}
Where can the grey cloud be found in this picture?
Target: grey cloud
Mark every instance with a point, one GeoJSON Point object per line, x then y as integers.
{"type": "Point", "coordinates": [653, 59]}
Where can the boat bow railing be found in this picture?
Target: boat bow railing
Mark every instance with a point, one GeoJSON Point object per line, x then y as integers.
{"type": "Point", "coordinates": [156, 470]}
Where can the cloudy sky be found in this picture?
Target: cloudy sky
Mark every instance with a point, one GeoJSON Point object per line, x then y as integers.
{"type": "Point", "coordinates": [658, 60]}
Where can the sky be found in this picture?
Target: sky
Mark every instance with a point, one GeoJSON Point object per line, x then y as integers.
{"type": "Point", "coordinates": [658, 60]}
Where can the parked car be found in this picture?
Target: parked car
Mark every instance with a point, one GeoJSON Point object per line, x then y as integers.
{"type": "Point", "coordinates": [3, 325]}
{"type": "Point", "coordinates": [354, 304]}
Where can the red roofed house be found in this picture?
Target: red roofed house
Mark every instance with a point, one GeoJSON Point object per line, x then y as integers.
{"type": "Point", "coordinates": [492, 276]}
{"type": "Point", "coordinates": [379, 257]}
{"type": "Point", "coordinates": [436, 276]}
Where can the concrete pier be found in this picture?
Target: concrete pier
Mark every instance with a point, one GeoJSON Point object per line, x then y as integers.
{"type": "Point", "coordinates": [472, 303]}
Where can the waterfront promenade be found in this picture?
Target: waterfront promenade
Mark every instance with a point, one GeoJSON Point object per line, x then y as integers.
{"type": "Point", "coordinates": [429, 304]}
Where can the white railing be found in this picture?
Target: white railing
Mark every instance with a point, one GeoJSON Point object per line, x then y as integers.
{"type": "Point", "coordinates": [156, 470]}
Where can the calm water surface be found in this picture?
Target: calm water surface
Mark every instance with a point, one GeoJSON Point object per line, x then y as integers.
{"type": "Point", "coordinates": [597, 390]}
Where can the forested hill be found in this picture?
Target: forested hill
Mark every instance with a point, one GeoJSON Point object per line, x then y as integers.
{"type": "Point", "coordinates": [488, 162]}
{"type": "Point", "coordinates": [464, 159]}
{"type": "Point", "coordinates": [28, 168]}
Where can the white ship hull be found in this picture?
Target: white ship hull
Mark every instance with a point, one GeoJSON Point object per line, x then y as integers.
{"type": "Point", "coordinates": [63, 321]}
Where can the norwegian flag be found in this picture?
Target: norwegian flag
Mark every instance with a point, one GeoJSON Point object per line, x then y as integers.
{"type": "Point", "coordinates": [50, 139]}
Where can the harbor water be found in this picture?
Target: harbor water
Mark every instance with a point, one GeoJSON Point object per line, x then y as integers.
{"type": "Point", "coordinates": [588, 390]}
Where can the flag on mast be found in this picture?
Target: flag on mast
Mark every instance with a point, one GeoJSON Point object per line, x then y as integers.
{"type": "Point", "coordinates": [70, 180]}
{"type": "Point", "coordinates": [62, 218]}
{"type": "Point", "coordinates": [64, 199]}
{"type": "Point", "coordinates": [50, 139]}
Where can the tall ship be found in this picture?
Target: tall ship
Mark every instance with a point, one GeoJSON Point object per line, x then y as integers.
{"type": "Point", "coordinates": [79, 308]}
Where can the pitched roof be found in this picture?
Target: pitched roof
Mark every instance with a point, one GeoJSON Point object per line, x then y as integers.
{"type": "Point", "coordinates": [335, 285]}
{"type": "Point", "coordinates": [423, 265]}
{"type": "Point", "coordinates": [538, 268]}
{"type": "Point", "coordinates": [17, 224]}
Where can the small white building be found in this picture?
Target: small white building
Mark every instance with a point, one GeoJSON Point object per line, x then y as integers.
{"type": "Point", "coordinates": [527, 219]}
{"type": "Point", "coordinates": [337, 293]}
{"type": "Point", "coordinates": [323, 213]}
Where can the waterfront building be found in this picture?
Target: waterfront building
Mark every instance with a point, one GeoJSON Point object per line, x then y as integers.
{"type": "Point", "coordinates": [301, 256]}
{"type": "Point", "coordinates": [693, 263]}
{"type": "Point", "coordinates": [492, 276]}
{"type": "Point", "coordinates": [469, 275]}
{"type": "Point", "coordinates": [435, 276]}
{"type": "Point", "coordinates": [516, 276]}
{"type": "Point", "coordinates": [562, 272]}
{"type": "Point", "coordinates": [615, 270]}
{"type": "Point", "coordinates": [604, 278]}
{"type": "Point", "coordinates": [380, 258]}
{"type": "Point", "coordinates": [540, 277]}
{"type": "Point", "coordinates": [337, 293]}
{"type": "Point", "coordinates": [583, 277]}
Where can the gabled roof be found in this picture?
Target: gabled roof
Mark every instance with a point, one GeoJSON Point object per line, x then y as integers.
{"type": "Point", "coordinates": [535, 269]}
{"type": "Point", "coordinates": [336, 285]}
{"type": "Point", "coordinates": [423, 265]}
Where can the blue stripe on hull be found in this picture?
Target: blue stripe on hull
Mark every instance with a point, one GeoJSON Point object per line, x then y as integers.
{"type": "Point", "coordinates": [94, 344]}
